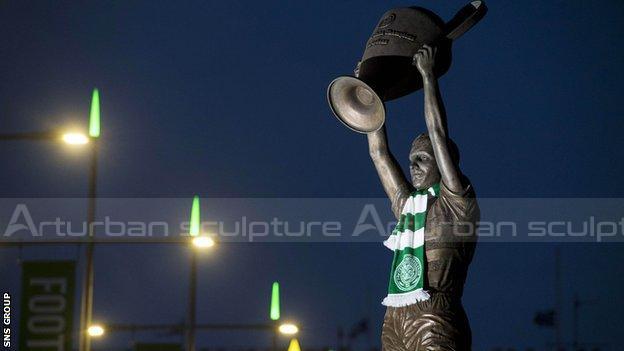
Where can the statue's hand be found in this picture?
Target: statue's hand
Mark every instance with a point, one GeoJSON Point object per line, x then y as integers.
{"type": "Point", "coordinates": [356, 70]}
{"type": "Point", "coordinates": [424, 60]}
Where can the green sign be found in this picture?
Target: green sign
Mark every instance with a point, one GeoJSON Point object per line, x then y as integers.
{"type": "Point", "coordinates": [47, 305]}
{"type": "Point", "coordinates": [157, 347]}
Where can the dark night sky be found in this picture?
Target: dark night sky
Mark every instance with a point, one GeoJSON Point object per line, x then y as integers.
{"type": "Point", "coordinates": [227, 99]}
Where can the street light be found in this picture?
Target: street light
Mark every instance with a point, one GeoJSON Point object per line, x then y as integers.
{"type": "Point", "coordinates": [285, 328]}
{"type": "Point", "coordinates": [86, 300]}
{"type": "Point", "coordinates": [200, 242]}
{"type": "Point", "coordinates": [288, 329]}
{"type": "Point", "coordinates": [86, 304]}
{"type": "Point", "coordinates": [95, 330]}
{"type": "Point", "coordinates": [75, 138]}
{"type": "Point", "coordinates": [203, 242]}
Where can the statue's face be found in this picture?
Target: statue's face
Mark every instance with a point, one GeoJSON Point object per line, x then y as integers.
{"type": "Point", "coordinates": [423, 168]}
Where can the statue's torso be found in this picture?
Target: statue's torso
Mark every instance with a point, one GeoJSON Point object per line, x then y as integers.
{"type": "Point", "coordinates": [439, 323]}
{"type": "Point", "coordinates": [450, 240]}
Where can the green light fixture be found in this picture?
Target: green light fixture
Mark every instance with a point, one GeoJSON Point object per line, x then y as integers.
{"type": "Point", "coordinates": [94, 116]}
{"type": "Point", "coordinates": [195, 222]}
{"type": "Point", "coordinates": [275, 303]}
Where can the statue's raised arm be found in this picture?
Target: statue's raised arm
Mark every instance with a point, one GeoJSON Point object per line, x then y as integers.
{"type": "Point", "coordinates": [435, 117]}
{"type": "Point", "coordinates": [392, 178]}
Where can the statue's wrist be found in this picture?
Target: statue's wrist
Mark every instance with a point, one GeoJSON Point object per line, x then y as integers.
{"type": "Point", "coordinates": [428, 78]}
{"type": "Point", "coordinates": [428, 75]}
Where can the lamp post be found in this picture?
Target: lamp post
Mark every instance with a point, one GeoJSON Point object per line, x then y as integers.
{"type": "Point", "coordinates": [86, 306]}
{"type": "Point", "coordinates": [285, 328]}
{"type": "Point", "coordinates": [72, 138]}
{"type": "Point", "coordinates": [192, 318]}
{"type": "Point", "coordinates": [75, 138]}
{"type": "Point", "coordinates": [199, 243]}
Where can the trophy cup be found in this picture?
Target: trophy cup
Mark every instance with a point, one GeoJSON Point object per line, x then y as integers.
{"type": "Point", "coordinates": [386, 71]}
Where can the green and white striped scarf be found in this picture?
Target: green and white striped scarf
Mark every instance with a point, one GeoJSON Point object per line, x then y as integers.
{"type": "Point", "coordinates": [408, 243]}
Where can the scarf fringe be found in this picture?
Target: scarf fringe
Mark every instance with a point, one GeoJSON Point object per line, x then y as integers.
{"type": "Point", "coordinates": [406, 299]}
{"type": "Point", "coordinates": [391, 242]}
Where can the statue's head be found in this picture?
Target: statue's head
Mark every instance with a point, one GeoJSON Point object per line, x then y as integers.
{"type": "Point", "coordinates": [423, 167]}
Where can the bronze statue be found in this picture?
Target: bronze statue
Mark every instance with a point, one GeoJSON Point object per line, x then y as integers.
{"type": "Point", "coordinates": [440, 322]}
{"type": "Point", "coordinates": [424, 309]}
